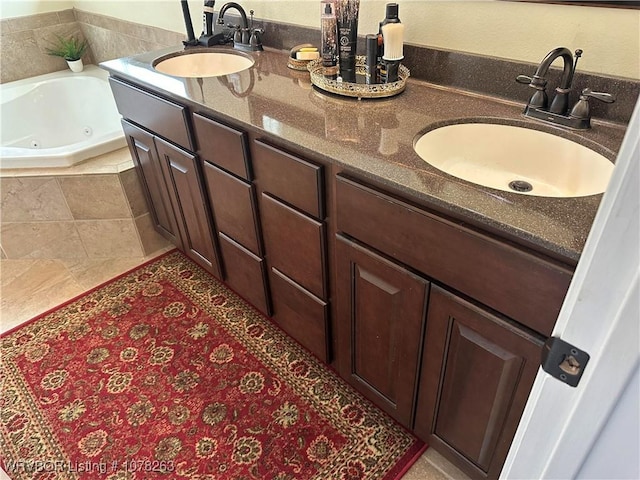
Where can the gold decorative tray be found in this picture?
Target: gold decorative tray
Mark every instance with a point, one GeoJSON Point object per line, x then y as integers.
{"type": "Point", "coordinates": [358, 90]}
{"type": "Point", "coordinates": [298, 64]}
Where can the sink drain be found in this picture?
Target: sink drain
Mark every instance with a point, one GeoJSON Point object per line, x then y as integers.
{"type": "Point", "coordinates": [520, 186]}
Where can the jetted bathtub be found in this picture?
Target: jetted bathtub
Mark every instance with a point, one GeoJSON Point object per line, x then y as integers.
{"type": "Point", "coordinates": [58, 119]}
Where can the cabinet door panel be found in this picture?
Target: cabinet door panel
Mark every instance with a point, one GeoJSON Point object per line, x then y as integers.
{"type": "Point", "coordinates": [477, 374]}
{"type": "Point", "coordinates": [300, 314]}
{"type": "Point", "coordinates": [143, 152]}
{"type": "Point", "coordinates": [186, 190]}
{"type": "Point", "coordinates": [233, 205]}
{"type": "Point", "coordinates": [245, 273]}
{"type": "Point", "coordinates": [295, 244]}
{"type": "Point", "coordinates": [381, 311]}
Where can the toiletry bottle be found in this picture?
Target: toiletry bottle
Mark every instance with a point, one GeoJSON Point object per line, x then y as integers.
{"type": "Point", "coordinates": [347, 20]}
{"type": "Point", "coordinates": [372, 64]}
{"type": "Point", "coordinates": [393, 36]}
{"type": "Point", "coordinates": [391, 16]}
{"type": "Point", "coordinates": [329, 32]}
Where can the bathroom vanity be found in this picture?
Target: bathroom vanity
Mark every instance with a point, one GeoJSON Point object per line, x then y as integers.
{"type": "Point", "coordinates": [432, 296]}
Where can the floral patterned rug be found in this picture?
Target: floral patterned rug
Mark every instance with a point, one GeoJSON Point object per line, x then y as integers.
{"type": "Point", "coordinates": [165, 373]}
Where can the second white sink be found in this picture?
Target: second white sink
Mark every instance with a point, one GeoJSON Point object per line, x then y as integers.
{"type": "Point", "coordinates": [515, 159]}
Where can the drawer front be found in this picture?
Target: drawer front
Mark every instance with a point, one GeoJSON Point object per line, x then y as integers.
{"type": "Point", "coordinates": [223, 146]}
{"type": "Point", "coordinates": [295, 244]}
{"type": "Point", "coordinates": [234, 209]}
{"type": "Point", "coordinates": [517, 284]}
{"type": "Point", "coordinates": [300, 314]}
{"type": "Point", "coordinates": [289, 178]}
{"type": "Point", "coordinates": [161, 116]}
{"type": "Point", "coordinates": [245, 273]}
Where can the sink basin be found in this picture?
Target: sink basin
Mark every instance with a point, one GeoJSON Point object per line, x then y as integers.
{"type": "Point", "coordinates": [515, 159]}
{"type": "Point", "coordinates": [202, 64]}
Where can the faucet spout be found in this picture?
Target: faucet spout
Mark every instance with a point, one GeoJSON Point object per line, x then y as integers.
{"type": "Point", "coordinates": [238, 7]}
{"type": "Point", "coordinates": [567, 74]}
{"type": "Point", "coordinates": [560, 102]}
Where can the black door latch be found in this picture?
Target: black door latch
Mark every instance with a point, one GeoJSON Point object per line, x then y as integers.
{"type": "Point", "coordinates": [563, 361]}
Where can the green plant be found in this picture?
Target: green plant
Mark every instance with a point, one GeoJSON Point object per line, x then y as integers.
{"type": "Point", "coordinates": [71, 48]}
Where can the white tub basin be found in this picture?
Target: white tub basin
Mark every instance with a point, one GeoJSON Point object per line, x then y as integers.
{"type": "Point", "coordinates": [203, 64]}
{"type": "Point", "coordinates": [515, 159]}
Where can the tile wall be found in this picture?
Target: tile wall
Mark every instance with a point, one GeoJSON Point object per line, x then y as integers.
{"type": "Point", "coordinates": [75, 217]}
{"type": "Point", "coordinates": [24, 40]}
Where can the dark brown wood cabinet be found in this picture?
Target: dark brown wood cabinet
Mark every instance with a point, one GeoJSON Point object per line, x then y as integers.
{"type": "Point", "coordinates": [480, 349]}
{"type": "Point", "coordinates": [187, 194]}
{"type": "Point", "coordinates": [381, 307]}
{"type": "Point", "coordinates": [477, 372]}
{"type": "Point", "coordinates": [145, 158]}
{"type": "Point", "coordinates": [439, 323]}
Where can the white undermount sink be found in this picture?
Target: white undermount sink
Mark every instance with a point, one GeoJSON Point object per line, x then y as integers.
{"type": "Point", "coordinates": [515, 159]}
{"type": "Point", "coordinates": [194, 64]}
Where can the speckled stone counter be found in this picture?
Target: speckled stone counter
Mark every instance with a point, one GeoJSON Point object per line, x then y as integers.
{"type": "Point", "coordinates": [374, 140]}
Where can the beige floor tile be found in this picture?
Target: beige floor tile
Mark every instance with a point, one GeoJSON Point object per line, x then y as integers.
{"type": "Point", "coordinates": [110, 238]}
{"type": "Point", "coordinates": [92, 272]}
{"type": "Point", "coordinates": [41, 286]}
{"type": "Point", "coordinates": [424, 470]}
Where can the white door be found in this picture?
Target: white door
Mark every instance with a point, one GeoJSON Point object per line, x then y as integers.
{"type": "Point", "coordinates": [592, 430]}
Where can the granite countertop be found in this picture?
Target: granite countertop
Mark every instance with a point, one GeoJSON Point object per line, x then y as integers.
{"type": "Point", "coordinates": [374, 139]}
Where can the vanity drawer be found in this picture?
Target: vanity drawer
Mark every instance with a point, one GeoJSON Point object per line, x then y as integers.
{"type": "Point", "coordinates": [221, 145]}
{"type": "Point", "coordinates": [295, 244]}
{"type": "Point", "coordinates": [289, 178]}
{"type": "Point", "coordinates": [233, 205]}
{"type": "Point", "coordinates": [300, 313]}
{"type": "Point", "coordinates": [516, 283]}
{"type": "Point", "coordinates": [245, 273]}
{"type": "Point", "coordinates": [163, 117]}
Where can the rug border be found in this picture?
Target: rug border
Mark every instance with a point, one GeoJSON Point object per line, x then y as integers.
{"type": "Point", "coordinates": [86, 292]}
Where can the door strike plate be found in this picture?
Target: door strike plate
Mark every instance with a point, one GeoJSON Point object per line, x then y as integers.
{"type": "Point", "coordinates": [563, 361]}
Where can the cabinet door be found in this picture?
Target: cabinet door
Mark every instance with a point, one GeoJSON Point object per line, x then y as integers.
{"type": "Point", "coordinates": [380, 319]}
{"type": "Point", "coordinates": [477, 372]}
{"type": "Point", "coordinates": [188, 197]}
{"type": "Point", "coordinates": [143, 152]}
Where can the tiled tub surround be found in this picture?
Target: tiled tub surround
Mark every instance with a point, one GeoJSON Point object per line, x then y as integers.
{"type": "Point", "coordinates": [24, 40]}
{"type": "Point", "coordinates": [374, 139]}
{"type": "Point", "coordinates": [94, 210]}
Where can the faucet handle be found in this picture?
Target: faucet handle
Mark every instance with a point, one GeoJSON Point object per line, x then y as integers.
{"type": "Point", "coordinates": [524, 79]}
{"type": "Point", "coordinates": [581, 109]}
{"type": "Point", "coordinates": [602, 96]}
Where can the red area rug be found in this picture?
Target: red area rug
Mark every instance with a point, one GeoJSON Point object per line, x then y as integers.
{"type": "Point", "coordinates": [165, 373]}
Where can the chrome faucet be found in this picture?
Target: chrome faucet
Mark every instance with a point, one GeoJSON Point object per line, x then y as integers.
{"type": "Point", "coordinates": [246, 37]}
{"type": "Point", "coordinates": [579, 117]}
